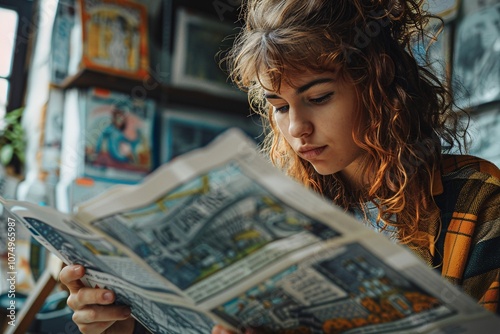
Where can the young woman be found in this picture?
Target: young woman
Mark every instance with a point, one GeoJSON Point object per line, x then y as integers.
{"type": "Point", "coordinates": [353, 116]}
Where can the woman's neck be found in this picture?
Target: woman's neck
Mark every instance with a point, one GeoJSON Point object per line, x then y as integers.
{"type": "Point", "coordinates": [355, 179]}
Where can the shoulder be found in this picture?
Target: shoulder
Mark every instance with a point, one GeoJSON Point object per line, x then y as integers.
{"type": "Point", "coordinates": [471, 227]}
{"type": "Point", "coordinates": [470, 209]}
{"type": "Point", "coordinates": [453, 164]}
{"type": "Point", "coordinates": [468, 184]}
{"type": "Point", "coordinates": [470, 220]}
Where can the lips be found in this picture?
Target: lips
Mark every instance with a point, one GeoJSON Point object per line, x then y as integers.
{"type": "Point", "coordinates": [310, 152]}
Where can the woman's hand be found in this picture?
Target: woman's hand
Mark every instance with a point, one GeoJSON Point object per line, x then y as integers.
{"type": "Point", "coordinates": [93, 312]}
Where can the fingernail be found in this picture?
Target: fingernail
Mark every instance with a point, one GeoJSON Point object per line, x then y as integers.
{"type": "Point", "coordinates": [108, 296]}
{"type": "Point", "coordinates": [126, 312]}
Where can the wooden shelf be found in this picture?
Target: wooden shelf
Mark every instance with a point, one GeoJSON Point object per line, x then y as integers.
{"type": "Point", "coordinates": [205, 100]}
{"type": "Point", "coordinates": [91, 78]}
{"type": "Point", "coordinates": [164, 94]}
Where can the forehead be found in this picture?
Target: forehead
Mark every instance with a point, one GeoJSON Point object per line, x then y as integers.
{"type": "Point", "coordinates": [296, 80]}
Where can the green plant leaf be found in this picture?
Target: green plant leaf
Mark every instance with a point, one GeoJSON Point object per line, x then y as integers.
{"type": "Point", "coordinates": [21, 156]}
{"type": "Point", "coordinates": [12, 138]}
{"type": "Point", "coordinates": [6, 153]}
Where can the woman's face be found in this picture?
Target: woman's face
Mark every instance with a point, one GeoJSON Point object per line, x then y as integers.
{"type": "Point", "coordinates": [316, 117]}
{"type": "Point", "coordinates": [119, 119]}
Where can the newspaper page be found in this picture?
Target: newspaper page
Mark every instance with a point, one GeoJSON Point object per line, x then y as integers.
{"type": "Point", "coordinates": [155, 303]}
{"type": "Point", "coordinates": [254, 248]}
{"type": "Point", "coordinates": [220, 236]}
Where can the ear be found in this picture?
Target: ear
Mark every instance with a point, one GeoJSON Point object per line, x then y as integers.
{"type": "Point", "coordinates": [388, 69]}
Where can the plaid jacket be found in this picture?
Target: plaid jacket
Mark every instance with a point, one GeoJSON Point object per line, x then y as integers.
{"type": "Point", "coordinates": [467, 251]}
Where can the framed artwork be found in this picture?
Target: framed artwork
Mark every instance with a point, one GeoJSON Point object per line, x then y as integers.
{"type": "Point", "coordinates": [476, 61]}
{"type": "Point", "coordinates": [185, 129]}
{"type": "Point", "coordinates": [471, 6]}
{"type": "Point", "coordinates": [115, 37]}
{"type": "Point", "coordinates": [118, 136]}
{"type": "Point", "coordinates": [198, 42]}
{"type": "Point", "coordinates": [485, 134]}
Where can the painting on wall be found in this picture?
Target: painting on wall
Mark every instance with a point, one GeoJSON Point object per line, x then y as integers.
{"type": "Point", "coordinates": [476, 63]}
{"type": "Point", "coordinates": [485, 135]}
{"type": "Point", "coordinates": [199, 41]}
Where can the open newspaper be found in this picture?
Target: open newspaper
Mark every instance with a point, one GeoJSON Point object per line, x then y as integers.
{"type": "Point", "coordinates": [220, 236]}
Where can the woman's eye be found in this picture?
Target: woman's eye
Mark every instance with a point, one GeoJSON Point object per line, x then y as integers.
{"type": "Point", "coordinates": [281, 109]}
{"type": "Point", "coordinates": [321, 99]}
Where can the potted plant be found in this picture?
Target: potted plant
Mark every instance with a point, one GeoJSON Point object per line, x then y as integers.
{"type": "Point", "coordinates": [12, 143]}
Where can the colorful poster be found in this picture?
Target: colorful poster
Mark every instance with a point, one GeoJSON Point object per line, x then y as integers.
{"type": "Point", "coordinates": [118, 137]}
{"type": "Point", "coordinates": [115, 37]}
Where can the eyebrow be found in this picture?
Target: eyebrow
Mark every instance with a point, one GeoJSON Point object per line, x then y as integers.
{"type": "Point", "coordinates": [302, 88]}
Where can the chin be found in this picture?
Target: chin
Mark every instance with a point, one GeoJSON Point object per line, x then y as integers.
{"type": "Point", "coordinates": [324, 170]}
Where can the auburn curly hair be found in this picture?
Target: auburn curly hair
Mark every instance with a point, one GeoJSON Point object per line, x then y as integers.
{"type": "Point", "coordinates": [409, 111]}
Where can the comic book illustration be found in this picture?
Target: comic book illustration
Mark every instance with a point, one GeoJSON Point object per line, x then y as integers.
{"type": "Point", "coordinates": [118, 136]}
{"type": "Point", "coordinates": [209, 224]}
{"type": "Point", "coordinates": [115, 37]}
{"type": "Point", "coordinates": [179, 318]}
{"type": "Point", "coordinates": [340, 290]}
{"type": "Point", "coordinates": [220, 236]}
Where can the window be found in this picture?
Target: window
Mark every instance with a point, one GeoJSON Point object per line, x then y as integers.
{"type": "Point", "coordinates": [8, 28]}
{"type": "Point", "coordinates": [4, 89]}
{"type": "Point", "coordinates": [16, 25]}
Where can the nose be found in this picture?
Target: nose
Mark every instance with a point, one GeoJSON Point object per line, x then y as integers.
{"type": "Point", "coordinates": [300, 125]}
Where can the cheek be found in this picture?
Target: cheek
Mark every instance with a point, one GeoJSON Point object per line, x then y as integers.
{"type": "Point", "coordinates": [280, 124]}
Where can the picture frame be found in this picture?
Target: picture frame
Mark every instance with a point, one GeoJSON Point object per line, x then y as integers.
{"type": "Point", "coordinates": [476, 58]}
{"type": "Point", "coordinates": [119, 136]}
{"type": "Point", "coordinates": [186, 129]}
{"type": "Point", "coordinates": [472, 6]}
{"type": "Point", "coordinates": [198, 41]}
{"type": "Point", "coordinates": [115, 37]}
{"type": "Point", "coordinates": [483, 130]}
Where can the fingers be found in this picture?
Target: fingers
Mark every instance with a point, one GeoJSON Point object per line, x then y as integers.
{"type": "Point", "coordinates": [89, 296]}
{"type": "Point", "coordinates": [101, 314]}
{"type": "Point", "coordinates": [95, 319]}
{"type": "Point", "coordinates": [81, 296]}
{"type": "Point", "coordinates": [94, 328]}
{"type": "Point", "coordinates": [70, 276]}
{"type": "Point", "coordinates": [111, 327]}
{"type": "Point", "coordinates": [93, 312]}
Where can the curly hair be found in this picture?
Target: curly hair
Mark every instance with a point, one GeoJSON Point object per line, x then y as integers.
{"type": "Point", "coordinates": [409, 111]}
